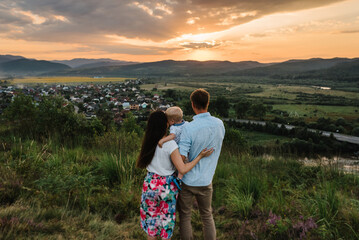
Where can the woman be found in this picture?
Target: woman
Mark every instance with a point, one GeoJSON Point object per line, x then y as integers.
{"type": "Point", "coordinates": [159, 192]}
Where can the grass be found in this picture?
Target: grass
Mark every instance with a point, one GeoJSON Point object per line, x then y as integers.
{"type": "Point", "coordinates": [317, 111]}
{"type": "Point", "coordinates": [291, 92]}
{"type": "Point", "coordinates": [30, 221]}
{"type": "Point", "coordinates": [165, 86]}
{"type": "Point", "coordinates": [32, 80]}
{"type": "Point", "coordinates": [52, 192]}
{"type": "Point", "coordinates": [260, 138]}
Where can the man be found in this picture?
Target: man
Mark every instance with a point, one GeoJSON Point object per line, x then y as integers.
{"type": "Point", "coordinates": [204, 131]}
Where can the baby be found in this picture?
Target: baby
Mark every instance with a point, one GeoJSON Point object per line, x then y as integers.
{"type": "Point", "coordinates": [176, 122]}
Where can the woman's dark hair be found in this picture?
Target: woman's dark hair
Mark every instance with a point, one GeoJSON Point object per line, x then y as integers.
{"type": "Point", "coordinates": [155, 130]}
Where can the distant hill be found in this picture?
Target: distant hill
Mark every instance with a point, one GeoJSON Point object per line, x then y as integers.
{"type": "Point", "coordinates": [288, 69]}
{"type": "Point", "coordinates": [345, 71]}
{"type": "Point", "coordinates": [167, 67]}
{"type": "Point", "coordinates": [30, 67]}
{"type": "Point", "coordinates": [105, 64]}
{"type": "Point", "coordinates": [8, 58]}
{"type": "Point", "coordinates": [293, 67]}
{"type": "Point", "coordinates": [335, 69]}
{"type": "Point", "coordinates": [91, 63]}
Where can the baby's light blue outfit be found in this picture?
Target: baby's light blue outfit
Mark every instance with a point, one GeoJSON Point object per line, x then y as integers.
{"type": "Point", "coordinates": [176, 129]}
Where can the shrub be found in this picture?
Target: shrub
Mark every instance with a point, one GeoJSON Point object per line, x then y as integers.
{"type": "Point", "coordinates": [64, 183]}
{"type": "Point", "coordinates": [244, 193]}
{"type": "Point", "coordinates": [52, 117]}
{"type": "Point", "coordinates": [10, 186]}
{"type": "Point", "coordinates": [234, 141]}
{"type": "Point", "coordinates": [22, 114]}
{"type": "Point", "coordinates": [240, 203]}
{"type": "Point", "coordinates": [120, 168]}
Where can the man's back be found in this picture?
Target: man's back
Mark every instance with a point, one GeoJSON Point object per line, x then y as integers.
{"type": "Point", "coordinates": [204, 131]}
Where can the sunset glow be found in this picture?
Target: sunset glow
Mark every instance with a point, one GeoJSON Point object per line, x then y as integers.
{"type": "Point", "coordinates": [158, 30]}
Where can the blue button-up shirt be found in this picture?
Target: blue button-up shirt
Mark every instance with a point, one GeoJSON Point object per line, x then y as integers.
{"type": "Point", "coordinates": [204, 131]}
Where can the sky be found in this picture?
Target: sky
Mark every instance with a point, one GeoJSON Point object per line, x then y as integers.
{"type": "Point", "coordinates": [154, 30]}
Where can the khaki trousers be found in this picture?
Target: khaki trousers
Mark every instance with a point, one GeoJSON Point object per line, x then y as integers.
{"type": "Point", "coordinates": [185, 202]}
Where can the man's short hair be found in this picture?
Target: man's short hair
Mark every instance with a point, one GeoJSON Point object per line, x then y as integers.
{"type": "Point", "coordinates": [200, 99]}
{"type": "Point", "coordinates": [174, 113]}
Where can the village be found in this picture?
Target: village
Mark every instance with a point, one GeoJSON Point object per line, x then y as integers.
{"type": "Point", "coordinates": [88, 99]}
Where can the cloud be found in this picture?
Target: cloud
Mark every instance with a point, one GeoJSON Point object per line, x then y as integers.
{"type": "Point", "coordinates": [258, 35]}
{"type": "Point", "coordinates": [8, 17]}
{"type": "Point", "coordinates": [134, 50]}
{"type": "Point", "coordinates": [199, 45]}
{"type": "Point", "coordinates": [87, 22]}
{"type": "Point", "coordinates": [351, 31]}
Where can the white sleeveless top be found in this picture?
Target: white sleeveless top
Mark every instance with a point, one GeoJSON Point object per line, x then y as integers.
{"type": "Point", "coordinates": [161, 162]}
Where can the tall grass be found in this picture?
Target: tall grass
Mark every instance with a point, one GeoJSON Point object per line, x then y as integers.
{"type": "Point", "coordinates": [48, 190]}
{"type": "Point", "coordinates": [325, 207]}
{"type": "Point", "coordinates": [118, 168]}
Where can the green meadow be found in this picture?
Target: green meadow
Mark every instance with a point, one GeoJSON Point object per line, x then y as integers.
{"type": "Point", "coordinates": [49, 191]}
{"type": "Point", "coordinates": [165, 86]}
{"type": "Point", "coordinates": [316, 111]}
{"type": "Point", "coordinates": [290, 92]}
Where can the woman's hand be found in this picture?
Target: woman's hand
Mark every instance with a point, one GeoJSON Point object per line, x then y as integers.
{"type": "Point", "coordinates": [184, 168]}
{"type": "Point", "coordinates": [206, 152]}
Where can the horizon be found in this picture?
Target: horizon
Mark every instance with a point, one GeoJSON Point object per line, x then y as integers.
{"type": "Point", "coordinates": [184, 60]}
{"type": "Point", "coordinates": [201, 30]}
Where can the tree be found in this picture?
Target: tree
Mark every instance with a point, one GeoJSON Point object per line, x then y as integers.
{"type": "Point", "coordinates": [106, 118]}
{"type": "Point", "coordinates": [242, 108]}
{"type": "Point", "coordinates": [130, 125]}
{"type": "Point", "coordinates": [258, 110]}
{"type": "Point", "coordinates": [170, 93]}
{"type": "Point", "coordinates": [355, 131]}
{"type": "Point", "coordinates": [52, 117]}
{"type": "Point", "coordinates": [22, 113]}
{"type": "Point", "coordinates": [187, 107]}
{"type": "Point", "coordinates": [220, 106]}
{"type": "Point", "coordinates": [341, 122]}
{"type": "Point", "coordinates": [235, 141]}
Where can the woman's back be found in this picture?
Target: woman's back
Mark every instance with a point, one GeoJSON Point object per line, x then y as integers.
{"type": "Point", "coordinates": [161, 163]}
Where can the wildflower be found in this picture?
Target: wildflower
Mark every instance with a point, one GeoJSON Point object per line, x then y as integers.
{"type": "Point", "coordinates": [273, 219]}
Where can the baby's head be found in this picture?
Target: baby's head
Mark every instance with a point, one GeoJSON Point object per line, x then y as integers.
{"type": "Point", "coordinates": [174, 115]}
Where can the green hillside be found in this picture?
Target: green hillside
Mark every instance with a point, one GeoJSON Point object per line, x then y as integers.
{"type": "Point", "coordinates": [166, 68]}
{"type": "Point", "coordinates": [27, 66]}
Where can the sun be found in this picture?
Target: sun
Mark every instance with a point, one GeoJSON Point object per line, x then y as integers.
{"type": "Point", "coordinates": [203, 55]}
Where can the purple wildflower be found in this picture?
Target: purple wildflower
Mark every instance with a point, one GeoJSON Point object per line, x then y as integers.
{"type": "Point", "coordinates": [302, 227]}
{"type": "Point", "coordinates": [273, 219]}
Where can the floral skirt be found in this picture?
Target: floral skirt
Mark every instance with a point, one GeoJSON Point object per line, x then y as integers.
{"type": "Point", "coordinates": [158, 205]}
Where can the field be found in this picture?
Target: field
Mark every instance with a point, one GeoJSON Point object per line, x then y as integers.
{"type": "Point", "coordinates": [308, 102]}
{"type": "Point", "coordinates": [165, 86]}
{"type": "Point", "coordinates": [291, 92]}
{"type": "Point", "coordinates": [272, 91]}
{"type": "Point", "coordinates": [316, 111]}
{"type": "Point", "coordinates": [260, 138]}
{"type": "Point", "coordinates": [34, 80]}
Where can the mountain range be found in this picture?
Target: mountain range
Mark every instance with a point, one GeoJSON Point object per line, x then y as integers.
{"type": "Point", "coordinates": [91, 63]}
{"type": "Point", "coordinates": [23, 66]}
{"type": "Point", "coordinates": [8, 58]}
{"type": "Point", "coordinates": [343, 69]}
